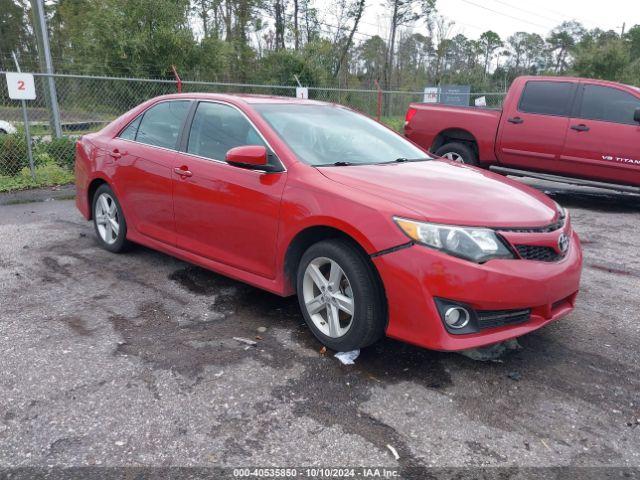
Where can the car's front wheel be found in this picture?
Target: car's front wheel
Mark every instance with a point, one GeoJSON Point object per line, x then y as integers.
{"type": "Point", "coordinates": [340, 296]}
{"type": "Point", "coordinates": [108, 220]}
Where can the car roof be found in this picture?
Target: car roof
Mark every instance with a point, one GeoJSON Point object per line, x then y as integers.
{"type": "Point", "coordinates": [245, 98]}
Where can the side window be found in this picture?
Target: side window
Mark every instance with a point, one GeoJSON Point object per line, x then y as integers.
{"type": "Point", "coordinates": [130, 132]}
{"type": "Point", "coordinates": [160, 125]}
{"type": "Point", "coordinates": [217, 128]}
{"type": "Point", "coordinates": [608, 104]}
{"type": "Point", "coordinates": [547, 98]}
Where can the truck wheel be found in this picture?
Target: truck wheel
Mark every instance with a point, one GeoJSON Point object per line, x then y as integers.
{"type": "Point", "coordinates": [340, 296]}
{"type": "Point", "coordinates": [457, 152]}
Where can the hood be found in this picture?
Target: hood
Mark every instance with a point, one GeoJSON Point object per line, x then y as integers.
{"type": "Point", "coordinates": [448, 193]}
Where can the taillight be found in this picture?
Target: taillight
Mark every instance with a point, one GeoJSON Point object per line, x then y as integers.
{"type": "Point", "coordinates": [410, 113]}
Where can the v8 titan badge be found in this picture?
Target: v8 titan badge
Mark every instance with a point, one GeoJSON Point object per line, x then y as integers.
{"type": "Point", "coordinates": [21, 86]}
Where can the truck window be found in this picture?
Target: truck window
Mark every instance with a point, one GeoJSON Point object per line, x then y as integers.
{"type": "Point", "coordinates": [608, 104]}
{"type": "Point", "coordinates": [547, 98]}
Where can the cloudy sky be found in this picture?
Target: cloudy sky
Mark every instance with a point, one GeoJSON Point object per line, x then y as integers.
{"type": "Point", "coordinates": [505, 17]}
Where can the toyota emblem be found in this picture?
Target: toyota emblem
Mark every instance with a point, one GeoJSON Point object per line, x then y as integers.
{"type": "Point", "coordinates": [563, 243]}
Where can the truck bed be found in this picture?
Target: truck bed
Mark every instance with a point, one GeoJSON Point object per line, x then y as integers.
{"type": "Point", "coordinates": [432, 122]}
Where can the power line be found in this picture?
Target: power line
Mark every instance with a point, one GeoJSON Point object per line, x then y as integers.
{"type": "Point", "coordinates": [506, 14]}
{"type": "Point", "coordinates": [560, 17]}
{"type": "Point", "coordinates": [529, 11]}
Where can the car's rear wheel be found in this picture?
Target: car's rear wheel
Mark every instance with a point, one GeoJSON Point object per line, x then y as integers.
{"type": "Point", "coordinates": [108, 220]}
{"type": "Point", "coordinates": [340, 296]}
{"type": "Point", "coordinates": [457, 152]}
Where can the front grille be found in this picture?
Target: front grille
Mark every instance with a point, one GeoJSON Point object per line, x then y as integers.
{"type": "Point", "coordinates": [541, 254]}
{"type": "Point", "coordinates": [499, 318]}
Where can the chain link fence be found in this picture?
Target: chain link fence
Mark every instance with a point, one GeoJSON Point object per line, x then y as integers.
{"type": "Point", "coordinates": [87, 103]}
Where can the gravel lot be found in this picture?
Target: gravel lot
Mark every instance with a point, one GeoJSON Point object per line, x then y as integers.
{"type": "Point", "coordinates": [129, 360]}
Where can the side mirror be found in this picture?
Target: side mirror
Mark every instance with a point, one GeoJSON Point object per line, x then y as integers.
{"type": "Point", "coordinates": [636, 115]}
{"type": "Point", "coordinates": [248, 156]}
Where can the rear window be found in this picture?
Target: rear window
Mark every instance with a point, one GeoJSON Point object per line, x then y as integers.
{"type": "Point", "coordinates": [547, 98]}
{"type": "Point", "coordinates": [608, 104]}
{"type": "Point", "coordinates": [131, 131]}
{"type": "Point", "coordinates": [160, 125]}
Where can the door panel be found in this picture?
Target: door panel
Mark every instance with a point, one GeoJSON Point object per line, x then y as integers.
{"type": "Point", "coordinates": [606, 152]}
{"type": "Point", "coordinates": [226, 213]}
{"type": "Point", "coordinates": [144, 182]}
{"type": "Point", "coordinates": [143, 156]}
{"type": "Point", "coordinates": [603, 141]}
{"type": "Point", "coordinates": [532, 135]}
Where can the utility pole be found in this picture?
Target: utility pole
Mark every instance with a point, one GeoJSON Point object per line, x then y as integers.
{"type": "Point", "coordinates": [42, 35]}
{"type": "Point", "coordinates": [624, 25]}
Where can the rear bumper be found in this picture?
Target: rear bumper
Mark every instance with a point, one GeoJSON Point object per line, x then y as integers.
{"type": "Point", "coordinates": [413, 276]}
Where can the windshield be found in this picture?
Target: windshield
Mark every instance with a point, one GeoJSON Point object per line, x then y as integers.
{"type": "Point", "coordinates": [329, 135]}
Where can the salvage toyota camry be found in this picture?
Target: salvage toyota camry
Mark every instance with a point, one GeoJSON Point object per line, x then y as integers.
{"type": "Point", "coordinates": [373, 234]}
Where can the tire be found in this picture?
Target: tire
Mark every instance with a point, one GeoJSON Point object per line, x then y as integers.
{"type": "Point", "coordinates": [458, 152]}
{"type": "Point", "coordinates": [362, 289]}
{"type": "Point", "coordinates": [103, 223]}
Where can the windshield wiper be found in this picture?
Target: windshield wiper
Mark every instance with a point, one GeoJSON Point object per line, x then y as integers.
{"type": "Point", "coordinates": [404, 159]}
{"type": "Point", "coordinates": [335, 164]}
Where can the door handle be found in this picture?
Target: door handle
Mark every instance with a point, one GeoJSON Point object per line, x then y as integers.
{"type": "Point", "coordinates": [580, 128]}
{"type": "Point", "coordinates": [115, 154]}
{"type": "Point", "coordinates": [183, 172]}
{"type": "Point", "coordinates": [516, 120]}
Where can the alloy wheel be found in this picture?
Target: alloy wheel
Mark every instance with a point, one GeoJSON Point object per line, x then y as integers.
{"type": "Point", "coordinates": [328, 297]}
{"type": "Point", "coordinates": [453, 156]}
{"type": "Point", "coordinates": [107, 221]}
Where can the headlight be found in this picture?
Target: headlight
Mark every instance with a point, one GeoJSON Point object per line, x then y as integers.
{"type": "Point", "coordinates": [471, 243]}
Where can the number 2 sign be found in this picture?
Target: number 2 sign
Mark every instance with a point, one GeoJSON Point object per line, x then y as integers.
{"type": "Point", "coordinates": [21, 86]}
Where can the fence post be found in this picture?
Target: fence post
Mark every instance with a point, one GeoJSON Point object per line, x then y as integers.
{"type": "Point", "coordinates": [178, 81]}
{"type": "Point", "coordinates": [379, 107]}
{"type": "Point", "coordinates": [42, 35]}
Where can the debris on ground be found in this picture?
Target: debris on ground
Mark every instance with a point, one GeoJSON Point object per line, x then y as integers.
{"type": "Point", "coordinates": [323, 350]}
{"type": "Point", "coordinates": [262, 329]}
{"type": "Point", "coordinates": [258, 337]}
{"type": "Point", "coordinates": [246, 341]}
{"type": "Point", "coordinates": [348, 358]}
{"type": "Point", "coordinates": [394, 452]}
{"type": "Point", "coordinates": [516, 376]}
{"type": "Point", "coordinates": [492, 353]}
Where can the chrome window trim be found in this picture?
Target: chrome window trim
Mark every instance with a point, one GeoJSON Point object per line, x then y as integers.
{"type": "Point", "coordinates": [256, 170]}
{"type": "Point", "coordinates": [141, 117]}
{"type": "Point", "coordinates": [253, 125]}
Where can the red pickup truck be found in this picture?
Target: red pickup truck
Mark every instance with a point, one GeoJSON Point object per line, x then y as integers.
{"type": "Point", "coordinates": [567, 127]}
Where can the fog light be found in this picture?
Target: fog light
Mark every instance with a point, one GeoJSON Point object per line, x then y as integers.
{"type": "Point", "coordinates": [457, 317]}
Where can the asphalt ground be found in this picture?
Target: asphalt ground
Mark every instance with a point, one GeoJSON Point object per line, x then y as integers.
{"type": "Point", "coordinates": [129, 360]}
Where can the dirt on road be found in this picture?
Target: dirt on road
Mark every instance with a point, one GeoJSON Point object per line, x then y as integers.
{"type": "Point", "coordinates": [130, 360]}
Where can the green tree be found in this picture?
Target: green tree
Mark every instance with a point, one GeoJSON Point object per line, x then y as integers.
{"type": "Point", "coordinates": [15, 35]}
{"type": "Point", "coordinates": [490, 41]}
{"type": "Point", "coordinates": [632, 37]}
{"type": "Point", "coordinates": [562, 40]}
{"type": "Point", "coordinates": [372, 55]}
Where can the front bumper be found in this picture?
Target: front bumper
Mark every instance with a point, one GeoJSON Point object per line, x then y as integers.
{"type": "Point", "coordinates": [413, 276]}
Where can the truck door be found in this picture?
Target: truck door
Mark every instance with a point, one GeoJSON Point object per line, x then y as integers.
{"type": "Point", "coordinates": [533, 130]}
{"type": "Point", "coordinates": [603, 140]}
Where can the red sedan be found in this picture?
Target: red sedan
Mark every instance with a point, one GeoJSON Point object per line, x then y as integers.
{"type": "Point", "coordinates": [294, 196]}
